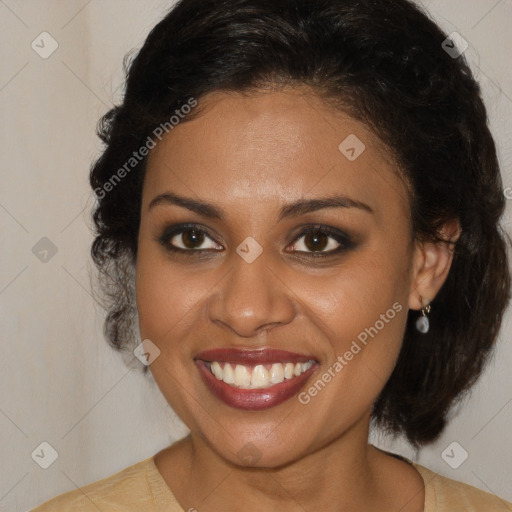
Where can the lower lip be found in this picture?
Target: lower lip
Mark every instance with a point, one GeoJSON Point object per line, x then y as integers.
{"type": "Point", "coordinates": [253, 399]}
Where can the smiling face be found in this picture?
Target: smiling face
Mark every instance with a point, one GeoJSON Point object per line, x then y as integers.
{"type": "Point", "coordinates": [269, 167]}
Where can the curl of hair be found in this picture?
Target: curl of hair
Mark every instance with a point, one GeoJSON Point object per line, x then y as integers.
{"type": "Point", "coordinates": [382, 62]}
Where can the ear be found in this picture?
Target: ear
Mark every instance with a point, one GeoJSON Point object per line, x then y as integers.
{"type": "Point", "coordinates": [431, 265]}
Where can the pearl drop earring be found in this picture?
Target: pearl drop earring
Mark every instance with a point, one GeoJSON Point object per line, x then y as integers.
{"type": "Point", "coordinates": [422, 323]}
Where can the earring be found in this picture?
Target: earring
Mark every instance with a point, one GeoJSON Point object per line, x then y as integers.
{"type": "Point", "coordinates": [422, 323]}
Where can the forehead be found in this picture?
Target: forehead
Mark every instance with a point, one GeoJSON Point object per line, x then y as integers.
{"type": "Point", "coordinates": [266, 146]}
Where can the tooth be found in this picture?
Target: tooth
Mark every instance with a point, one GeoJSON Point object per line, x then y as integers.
{"type": "Point", "coordinates": [276, 373]}
{"type": "Point", "coordinates": [288, 370]}
{"type": "Point", "coordinates": [217, 370]}
{"type": "Point", "coordinates": [242, 376]}
{"type": "Point", "coordinates": [259, 377]}
{"type": "Point", "coordinates": [229, 376]}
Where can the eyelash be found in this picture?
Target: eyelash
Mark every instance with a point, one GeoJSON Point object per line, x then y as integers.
{"type": "Point", "coordinates": [345, 241]}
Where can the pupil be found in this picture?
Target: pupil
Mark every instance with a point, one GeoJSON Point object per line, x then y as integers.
{"type": "Point", "coordinates": [315, 241]}
{"type": "Point", "coordinates": [192, 237]}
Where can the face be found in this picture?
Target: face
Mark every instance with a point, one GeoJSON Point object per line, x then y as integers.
{"type": "Point", "coordinates": [266, 246]}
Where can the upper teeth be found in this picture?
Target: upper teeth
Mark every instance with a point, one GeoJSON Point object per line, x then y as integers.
{"type": "Point", "coordinates": [259, 376]}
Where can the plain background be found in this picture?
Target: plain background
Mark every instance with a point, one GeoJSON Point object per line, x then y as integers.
{"type": "Point", "coordinates": [61, 383]}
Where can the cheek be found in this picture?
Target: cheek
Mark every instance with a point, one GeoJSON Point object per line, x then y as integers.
{"type": "Point", "coordinates": [165, 296]}
{"type": "Point", "coordinates": [361, 309]}
{"type": "Point", "coordinates": [164, 306]}
{"type": "Point", "coordinates": [355, 295]}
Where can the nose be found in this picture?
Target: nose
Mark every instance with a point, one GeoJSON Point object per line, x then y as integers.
{"type": "Point", "coordinates": [251, 299]}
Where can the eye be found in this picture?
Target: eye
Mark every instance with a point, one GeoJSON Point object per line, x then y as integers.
{"type": "Point", "coordinates": [315, 241]}
{"type": "Point", "coordinates": [321, 241]}
{"type": "Point", "coordinates": [187, 238]}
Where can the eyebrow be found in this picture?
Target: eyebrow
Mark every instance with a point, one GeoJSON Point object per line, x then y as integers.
{"type": "Point", "coordinates": [294, 209]}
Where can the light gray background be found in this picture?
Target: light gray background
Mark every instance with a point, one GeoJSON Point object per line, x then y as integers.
{"type": "Point", "coordinates": [61, 383]}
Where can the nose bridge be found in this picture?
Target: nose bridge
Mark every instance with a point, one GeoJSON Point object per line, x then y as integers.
{"type": "Point", "coordinates": [251, 297]}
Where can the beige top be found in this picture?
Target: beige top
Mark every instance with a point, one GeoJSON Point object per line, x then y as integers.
{"type": "Point", "coordinates": [141, 488]}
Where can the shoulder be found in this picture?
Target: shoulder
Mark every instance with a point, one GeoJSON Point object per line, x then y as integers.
{"type": "Point", "coordinates": [137, 487]}
{"type": "Point", "coordinates": [443, 494]}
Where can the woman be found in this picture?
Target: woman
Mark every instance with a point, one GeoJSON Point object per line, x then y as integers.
{"type": "Point", "coordinates": [302, 199]}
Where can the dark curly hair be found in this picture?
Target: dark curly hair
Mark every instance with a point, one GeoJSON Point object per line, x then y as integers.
{"type": "Point", "coordinates": [384, 64]}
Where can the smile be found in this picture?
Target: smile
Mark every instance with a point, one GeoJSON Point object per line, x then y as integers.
{"type": "Point", "coordinates": [259, 376]}
{"type": "Point", "coordinates": [254, 379]}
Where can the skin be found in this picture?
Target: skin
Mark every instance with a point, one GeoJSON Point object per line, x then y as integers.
{"type": "Point", "coordinates": [250, 155]}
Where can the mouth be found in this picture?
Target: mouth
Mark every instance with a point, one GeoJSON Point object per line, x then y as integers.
{"type": "Point", "coordinates": [254, 379]}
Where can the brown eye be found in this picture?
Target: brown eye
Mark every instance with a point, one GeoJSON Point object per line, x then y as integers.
{"type": "Point", "coordinates": [186, 238]}
{"type": "Point", "coordinates": [192, 238]}
{"type": "Point", "coordinates": [320, 241]}
{"type": "Point", "coordinates": [316, 241]}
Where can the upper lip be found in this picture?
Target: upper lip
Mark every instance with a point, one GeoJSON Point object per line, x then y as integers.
{"type": "Point", "coordinates": [246, 356]}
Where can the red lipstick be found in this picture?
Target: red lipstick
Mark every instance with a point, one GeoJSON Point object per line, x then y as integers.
{"type": "Point", "coordinates": [259, 398]}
